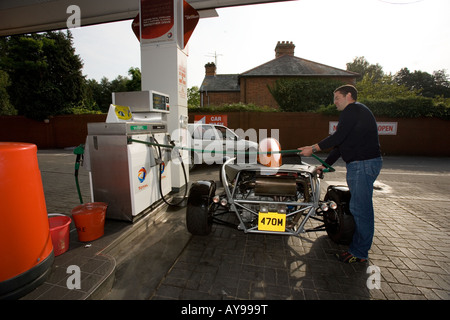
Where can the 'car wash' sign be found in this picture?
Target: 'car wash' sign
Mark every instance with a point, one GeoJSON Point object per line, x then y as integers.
{"type": "Point", "coordinates": [211, 119]}
{"type": "Point", "coordinates": [384, 128]}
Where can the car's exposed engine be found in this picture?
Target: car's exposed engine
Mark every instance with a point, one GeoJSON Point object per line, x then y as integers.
{"type": "Point", "coordinates": [270, 191]}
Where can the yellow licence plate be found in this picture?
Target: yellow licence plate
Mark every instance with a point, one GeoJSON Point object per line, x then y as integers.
{"type": "Point", "coordinates": [271, 221]}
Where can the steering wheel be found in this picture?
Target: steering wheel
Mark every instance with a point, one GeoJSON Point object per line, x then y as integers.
{"type": "Point", "coordinates": [328, 168]}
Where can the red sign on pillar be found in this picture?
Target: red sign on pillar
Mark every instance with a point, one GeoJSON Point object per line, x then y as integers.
{"type": "Point", "coordinates": [190, 21]}
{"type": "Point", "coordinates": [155, 22]}
{"type": "Point", "coordinates": [158, 20]}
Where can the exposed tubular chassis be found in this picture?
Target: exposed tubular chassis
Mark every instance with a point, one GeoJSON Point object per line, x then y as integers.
{"type": "Point", "coordinates": [248, 188]}
{"type": "Point", "coordinates": [302, 207]}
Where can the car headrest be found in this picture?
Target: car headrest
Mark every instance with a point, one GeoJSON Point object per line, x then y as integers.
{"type": "Point", "coordinates": [272, 160]}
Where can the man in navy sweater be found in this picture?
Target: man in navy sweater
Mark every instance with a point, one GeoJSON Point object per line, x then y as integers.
{"type": "Point", "coordinates": [356, 141]}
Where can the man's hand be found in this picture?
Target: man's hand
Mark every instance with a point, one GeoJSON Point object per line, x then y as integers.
{"type": "Point", "coordinates": [319, 171]}
{"type": "Point", "coordinates": [320, 168]}
{"type": "Point", "coordinates": [308, 150]}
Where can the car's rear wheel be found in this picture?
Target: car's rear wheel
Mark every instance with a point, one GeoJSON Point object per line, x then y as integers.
{"type": "Point", "coordinates": [339, 223]}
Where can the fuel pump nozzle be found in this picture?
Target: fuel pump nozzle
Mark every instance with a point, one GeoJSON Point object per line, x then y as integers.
{"type": "Point", "coordinates": [79, 151]}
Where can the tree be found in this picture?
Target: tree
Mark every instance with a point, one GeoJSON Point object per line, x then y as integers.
{"type": "Point", "coordinates": [363, 67]}
{"type": "Point", "coordinates": [101, 93]}
{"type": "Point", "coordinates": [384, 88]}
{"type": "Point", "coordinates": [6, 108]}
{"type": "Point", "coordinates": [135, 83]}
{"type": "Point", "coordinates": [429, 85]}
{"type": "Point", "coordinates": [441, 79]}
{"type": "Point", "coordinates": [193, 97]}
{"type": "Point", "coordinates": [303, 94]}
{"type": "Point", "coordinates": [44, 71]}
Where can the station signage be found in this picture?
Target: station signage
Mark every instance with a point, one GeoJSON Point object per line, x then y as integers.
{"type": "Point", "coordinates": [212, 119]}
{"type": "Point", "coordinates": [384, 128]}
{"type": "Point", "coordinates": [156, 22]}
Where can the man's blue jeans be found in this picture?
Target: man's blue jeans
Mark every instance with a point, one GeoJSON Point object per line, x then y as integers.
{"type": "Point", "coordinates": [361, 176]}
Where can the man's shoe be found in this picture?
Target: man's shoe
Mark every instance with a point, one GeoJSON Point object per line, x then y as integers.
{"type": "Point", "coordinates": [347, 257]}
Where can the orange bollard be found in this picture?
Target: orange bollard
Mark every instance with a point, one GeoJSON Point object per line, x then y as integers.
{"type": "Point", "coordinates": [26, 250]}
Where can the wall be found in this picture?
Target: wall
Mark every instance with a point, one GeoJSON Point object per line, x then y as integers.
{"type": "Point", "coordinates": [421, 136]}
{"type": "Point", "coordinates": [60, 132]}
{"type": "Point", "coordinates": [212, 98]}
{"type": "Point", "coordinates": [254, 90]}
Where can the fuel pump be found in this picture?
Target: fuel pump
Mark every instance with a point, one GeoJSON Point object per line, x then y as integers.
{"type": "Point", "coordinates": [128, 170]}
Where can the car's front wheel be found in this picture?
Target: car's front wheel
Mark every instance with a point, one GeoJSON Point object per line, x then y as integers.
{"type": "Point", "coordinates": [198, 220]}
{"type": "Point", "coordinates": [199, 215]}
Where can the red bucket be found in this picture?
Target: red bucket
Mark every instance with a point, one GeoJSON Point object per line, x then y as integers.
{"type": "Point", "coordinates": [60, 232]}
{"type": "Point", "coordinates": [89, 219]}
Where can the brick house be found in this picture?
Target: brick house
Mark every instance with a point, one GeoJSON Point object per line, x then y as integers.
{"type": "Point", "coordinates": [251, 86]}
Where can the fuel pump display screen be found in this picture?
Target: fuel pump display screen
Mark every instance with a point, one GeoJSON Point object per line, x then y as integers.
{"type": "Point", "coordinates": [160, 102]}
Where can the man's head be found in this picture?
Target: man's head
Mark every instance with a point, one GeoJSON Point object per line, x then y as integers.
{"type": "Point", "coordinates": [345, 95]}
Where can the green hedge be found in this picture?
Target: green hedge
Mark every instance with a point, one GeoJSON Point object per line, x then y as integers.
{"type": "Point", "coordinates": [304, 94]}
{"type": "Point", "coordinates": [415, 107]}
{"type": "Point", "coordinates": [233, 107]}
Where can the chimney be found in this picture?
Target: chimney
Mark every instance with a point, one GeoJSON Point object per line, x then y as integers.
{"type": "Point", "coordinates": [284, 47]}
{"type": "Point", "coordinates": [210, 69]}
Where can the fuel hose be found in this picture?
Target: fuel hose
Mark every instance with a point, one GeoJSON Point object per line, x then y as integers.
{"type": "Point", "coordinates": [79, 152]}
{"type": "Point", "coordinates": [160, 174]}
{"type": "Point", "coordinates": [326, 165]}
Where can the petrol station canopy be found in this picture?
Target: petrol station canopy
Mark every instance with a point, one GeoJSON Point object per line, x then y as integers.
{"type": "Point", "coordinates": [28, 16]}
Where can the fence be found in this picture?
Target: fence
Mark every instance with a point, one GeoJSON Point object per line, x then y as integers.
{"type": "Point", "coordinates": [419, 136]}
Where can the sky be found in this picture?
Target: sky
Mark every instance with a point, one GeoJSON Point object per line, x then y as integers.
{"type": "Point", "coordinates": [396, 34]}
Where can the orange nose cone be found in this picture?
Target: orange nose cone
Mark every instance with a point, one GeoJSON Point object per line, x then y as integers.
{"type": "Point", "coordinates": [25, 239]}
{"type": "Point", "coordinates": [272, 160]}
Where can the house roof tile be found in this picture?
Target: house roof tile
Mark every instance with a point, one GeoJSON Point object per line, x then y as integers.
{"type": "Point", "coordinates": [220, 82]}
{"type": "Point", "coordinates": [293, 66]}
{"type": "Point", "coordinates": [284, 66]}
